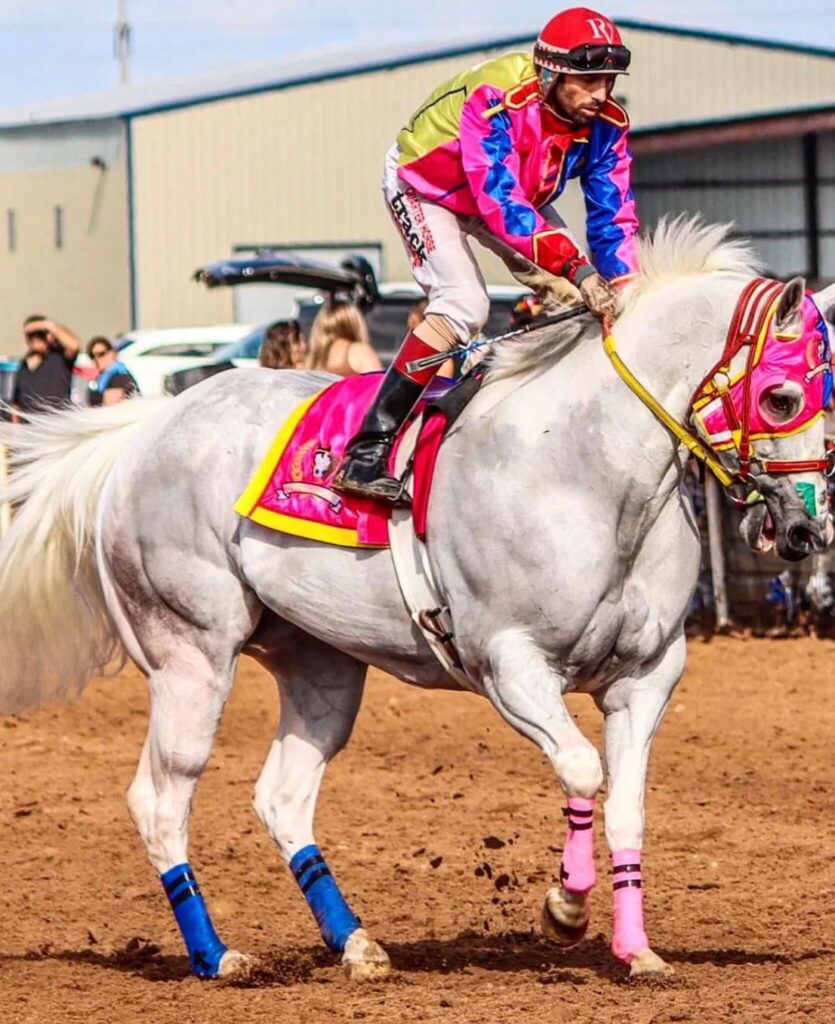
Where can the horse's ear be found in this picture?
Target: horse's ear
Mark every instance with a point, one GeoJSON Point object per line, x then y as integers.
{"type": "Point", "coordinates": [825, 301]}
{"type": "Point", "coordinates": [789, 319]}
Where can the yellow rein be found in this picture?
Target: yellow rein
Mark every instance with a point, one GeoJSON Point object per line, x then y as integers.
{"type": "Point", "coordinates": [701, 451]}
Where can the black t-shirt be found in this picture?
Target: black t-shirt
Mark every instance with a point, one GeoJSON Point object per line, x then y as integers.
{"type": "Point", "coordinates": [47, 384]}
{"type": "Point", "coordinates": [119, 380]}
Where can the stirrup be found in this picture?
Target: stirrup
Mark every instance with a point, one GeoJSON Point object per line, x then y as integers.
{"type": "Point", "coordinates": [387, 490]}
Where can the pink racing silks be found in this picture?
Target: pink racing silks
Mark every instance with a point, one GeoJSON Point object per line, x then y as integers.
{"type": "Point", "coordinates": [577, 872]}
{"type": "Point", "coordinates": [629, 937]}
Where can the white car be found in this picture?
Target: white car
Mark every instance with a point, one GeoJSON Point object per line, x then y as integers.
{"type": "Point", "coordinates": [151, 355]}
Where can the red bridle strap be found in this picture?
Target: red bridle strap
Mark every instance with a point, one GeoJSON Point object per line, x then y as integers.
{"type": "Point", "coordinates": [752, 316]}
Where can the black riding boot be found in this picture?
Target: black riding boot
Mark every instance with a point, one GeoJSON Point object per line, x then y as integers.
{"type": "Point", "coordinates": [364, 469]}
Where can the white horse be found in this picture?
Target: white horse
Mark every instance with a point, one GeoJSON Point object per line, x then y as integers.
{"type": "Point", "coordinates": [558, 534]}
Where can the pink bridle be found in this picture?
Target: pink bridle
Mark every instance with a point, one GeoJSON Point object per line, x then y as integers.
{"type": "Point", "coordinates": [718, 398]}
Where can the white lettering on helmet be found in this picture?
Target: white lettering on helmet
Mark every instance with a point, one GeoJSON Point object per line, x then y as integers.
{"type": "Point", "coordinates": [601, 28]}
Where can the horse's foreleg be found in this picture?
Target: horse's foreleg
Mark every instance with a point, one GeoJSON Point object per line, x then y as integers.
{"type": "Point", "coordinates": [186, 703]}
{"type": "Point", "coordinates": [320, 691]}
{"type": "Point", "coordinates": [633, 709]}
{"type": "Point", "coordinates": [529, 695]}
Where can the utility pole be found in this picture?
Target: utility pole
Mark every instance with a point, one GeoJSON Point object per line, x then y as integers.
{"type": "Point", "coordinates": [121, 41]}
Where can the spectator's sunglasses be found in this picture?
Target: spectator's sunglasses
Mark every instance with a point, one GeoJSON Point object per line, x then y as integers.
{"type": "Point", "coordinates": [34, 335]}
{"type": "Point", "coordinates": [591, 57]}
{"type": "Point", "coordinates": [99, 353]}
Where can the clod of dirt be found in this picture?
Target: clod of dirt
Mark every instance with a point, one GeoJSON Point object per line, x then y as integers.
{"type": "Point", "coordinates": [493, 842]}
{"type": "Point", "coordinates": [502, 882]}
{"type": "Point", "coordinates": [436, 862]}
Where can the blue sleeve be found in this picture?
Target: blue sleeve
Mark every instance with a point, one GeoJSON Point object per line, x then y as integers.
{"type": "Point", "coordinates": [612, 222]}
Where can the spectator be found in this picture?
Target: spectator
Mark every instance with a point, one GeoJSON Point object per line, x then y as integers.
{"type": "Point", "coordinates": [781, 599]}
{"type": "Point", "coordinates": [527, 310]}
{"type": "Point", "coordinates": [44, 376]}
{"type": "Point", "coordinates": [114, 382]}
{"type": "Point", "coordinates": [339, 341]}
{"type": "Point", "coordinates": [285, 347]}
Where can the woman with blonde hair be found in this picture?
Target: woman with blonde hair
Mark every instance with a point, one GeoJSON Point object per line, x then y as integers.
{"type": "Point", "coordinates": [339, 341]}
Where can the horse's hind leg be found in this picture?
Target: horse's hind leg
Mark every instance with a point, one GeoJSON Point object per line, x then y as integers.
{"type": "Point", "coordinates": [189, 656]}
{"type": "Point", "coordinates": [528, 693]}
{"type": "Point", "coordinates": [320, 691]}
{"type": "Point", "coordinates": [187, 697]}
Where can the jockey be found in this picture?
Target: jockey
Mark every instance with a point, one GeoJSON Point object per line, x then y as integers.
{"type": "Point", "coordinates": [486, 155]}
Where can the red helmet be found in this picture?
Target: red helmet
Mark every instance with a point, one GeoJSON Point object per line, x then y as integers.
{"type": "Point", "coordinates": [580, 41]}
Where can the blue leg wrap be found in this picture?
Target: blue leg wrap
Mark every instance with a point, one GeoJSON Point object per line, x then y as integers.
{"type": "Point", "coordinates": [333, 915]}
{"type": "Point", "coordinates": [204, 947]}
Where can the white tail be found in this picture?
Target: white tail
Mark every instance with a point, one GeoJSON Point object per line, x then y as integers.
{"type": "Point", "coordinates": [53, 620]}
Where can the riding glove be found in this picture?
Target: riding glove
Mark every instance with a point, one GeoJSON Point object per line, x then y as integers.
{"type": "Point", "coordinates": [600, 296]}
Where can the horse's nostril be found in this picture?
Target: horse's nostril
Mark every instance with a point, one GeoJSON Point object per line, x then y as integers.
{"type": "Point", "coordinates": [804, 540]}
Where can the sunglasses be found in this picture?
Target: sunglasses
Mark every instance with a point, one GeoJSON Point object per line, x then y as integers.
{"type": "Point", "coordinates": [37, 335]}
{"type": "Point", "coordinates": [598, 57]}
{"type": "Point", "coordinates": [100, 353]}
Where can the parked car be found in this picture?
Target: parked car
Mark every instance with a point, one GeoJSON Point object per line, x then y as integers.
{"type": "Point", "coordinates": [151, 354]}
{"type": "Point", "coordinates": [386, 306]}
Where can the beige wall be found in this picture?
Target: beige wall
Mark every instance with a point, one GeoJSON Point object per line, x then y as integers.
{"type": "Point", "coordinates": [303, 164]}
{"type": "Point", "coordinates": [86, 284]}
{"type": "Point", "coordinates": [296, 165]}
{"type": "Point", "coordinates": [678, 78]}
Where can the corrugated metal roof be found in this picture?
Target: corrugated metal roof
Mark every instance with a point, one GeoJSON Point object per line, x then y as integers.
{"type": "Point", "coordinates": [149, 97]}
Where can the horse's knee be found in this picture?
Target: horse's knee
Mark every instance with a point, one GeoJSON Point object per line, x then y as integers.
{"type": "Point", "coordinates": [624, 825]}
{"type": "Point", "coordinates": [579, 770]}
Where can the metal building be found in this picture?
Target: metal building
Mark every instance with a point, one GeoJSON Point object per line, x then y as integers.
{"type": "Point", "coordinates": [107, 204]}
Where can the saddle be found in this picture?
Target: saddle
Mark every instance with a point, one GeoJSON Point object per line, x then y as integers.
{"type": "Point", "coordinates": [290, 491]}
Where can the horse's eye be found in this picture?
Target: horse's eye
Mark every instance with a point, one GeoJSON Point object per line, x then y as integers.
{"type": "Point", "coordinates": [781, 404]}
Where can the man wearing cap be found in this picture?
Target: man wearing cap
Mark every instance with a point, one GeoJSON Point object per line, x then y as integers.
{"type": "Point", "coordinates": [486, 154]}
{"type": "Point", "coordinates": [44, 377]}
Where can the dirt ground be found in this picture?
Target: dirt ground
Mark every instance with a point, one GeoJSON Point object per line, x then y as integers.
{"type": "Point", "coordinates": [444, 828]}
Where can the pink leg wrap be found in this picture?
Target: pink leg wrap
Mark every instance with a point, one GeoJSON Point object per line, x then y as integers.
{"type": "Point", "coordinates": [629, 937]}
{"type": "Point", "coordinates": [577, 870]}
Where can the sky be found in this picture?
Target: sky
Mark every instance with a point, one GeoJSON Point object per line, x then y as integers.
{"type": "Point", "coordinates": [57, 49]}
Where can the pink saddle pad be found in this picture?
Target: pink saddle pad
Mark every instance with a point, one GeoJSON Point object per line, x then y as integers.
{"type": "Point", "coordinates": [290, 491]}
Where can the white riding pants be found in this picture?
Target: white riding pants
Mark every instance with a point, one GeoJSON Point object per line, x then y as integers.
{"type": "Point", "coordinates": [442, 261]}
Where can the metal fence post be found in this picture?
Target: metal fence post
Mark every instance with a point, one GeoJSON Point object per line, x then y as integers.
{"type": "Point", "coordinates": [713, 507]}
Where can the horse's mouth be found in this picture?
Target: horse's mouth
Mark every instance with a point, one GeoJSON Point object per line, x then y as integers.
{"type": "Point", "coordinates": [758, 529]}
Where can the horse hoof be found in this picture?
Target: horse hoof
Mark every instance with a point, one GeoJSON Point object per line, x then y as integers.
{"type": "Point", "coordinates": [649, 965]}
{"type": "Point", "coordinates": [364, 959]}
{"type": "Point", "coordinates": [565, 917]}
{"type": "Point", "coordinates": [235, 965]}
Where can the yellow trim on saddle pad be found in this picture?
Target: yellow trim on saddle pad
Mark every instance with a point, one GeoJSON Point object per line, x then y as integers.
{"type": "Point", "coordinates": [247, 505]}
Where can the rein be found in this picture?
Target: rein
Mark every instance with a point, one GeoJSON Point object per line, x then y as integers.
{"type": "Point", "coordinates": [749, 328]}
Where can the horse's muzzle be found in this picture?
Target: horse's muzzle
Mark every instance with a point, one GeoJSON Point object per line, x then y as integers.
{"type": "Point", "coordinates": [800, 538]}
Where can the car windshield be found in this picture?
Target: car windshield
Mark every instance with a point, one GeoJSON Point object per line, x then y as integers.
{"type": "Point", "coordinates": [185, 349]}
{"type": "Point", "coordinates": [247, 347]}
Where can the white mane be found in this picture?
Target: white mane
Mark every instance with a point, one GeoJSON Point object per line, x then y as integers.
{"type": "Point", "coordinates": [680, 246]}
